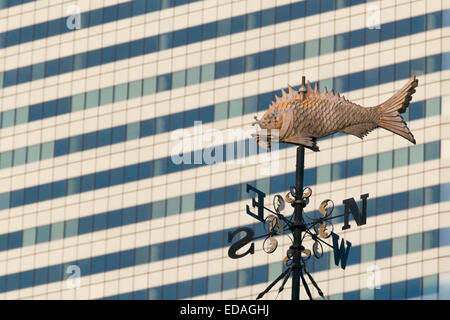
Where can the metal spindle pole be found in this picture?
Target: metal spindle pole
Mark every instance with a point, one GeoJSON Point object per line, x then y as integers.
{"type": "Point", "coordinates": [298, 223]}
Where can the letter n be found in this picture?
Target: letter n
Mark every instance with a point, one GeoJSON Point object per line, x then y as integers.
{"type": "Point", "coordinates": [351, 207]}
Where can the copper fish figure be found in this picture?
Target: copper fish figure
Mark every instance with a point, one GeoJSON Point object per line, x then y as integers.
{"type": "Point", "coordinates": [302, 117]}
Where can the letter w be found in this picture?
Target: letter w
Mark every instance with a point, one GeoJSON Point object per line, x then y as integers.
{"type": "Point", "coordinates": [340, 253]}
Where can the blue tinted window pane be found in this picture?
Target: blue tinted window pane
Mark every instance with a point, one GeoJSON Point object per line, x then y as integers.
{"type": "Point", "coordinates": [402, 27]}
{"type": "Point", "coordinates": [356, 80]}
{"type": "Point", "coordinates": [164, 82]}
{"type": "Point", "coordinates": [398, 290]}
{"type": "Point", "coordinates": [402, 70]}
{"type": "Point", "coordinates": [222, 69]}
{"type": "Point", "coordinates": [100, 222]}
{"type": "Point", "coordinates": [90, 141]}
{"type": "Point", "coordinates": [433, 63]}
{"type": "Point", "coordinates": [237, 24]}
{"type": "Point", "coordinates": [223, 27]}
{"type": "Point", "coordinates": [79, 61]}
{"type": "Point", "coordinates": [266, 59]}
{"type": "Point", "coordinates": [180, 38]}
{"type": "Point", "coordinates": [383, 249]}
{"type": "Point", "coordinates": [357, 38]}
{"type": "Point", "coordinates": [371, 77]}
{"type": "Point", "coordinates": [209, 31]}
{"type": "Point", "coordinates": [388, 31]}
{"type": "Point", "coordinates": [116, 176]}
{"type": "Point", "coordinates": [109, 13]}
{"type": "Point", "coordinates": [151, 44]}
{"type": "Point", "coordinates": [312, 7]}
{"type": "Point", "coordinates": [281, 55]}
{"type": "Point", "coordinates": [101, 179]}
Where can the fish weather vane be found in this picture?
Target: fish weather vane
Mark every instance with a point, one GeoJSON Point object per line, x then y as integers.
{"type": "Point", "coordinates": [300, 118]}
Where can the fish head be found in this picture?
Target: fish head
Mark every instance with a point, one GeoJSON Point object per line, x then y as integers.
{"type": "Point", "coordinates": [271, 120]}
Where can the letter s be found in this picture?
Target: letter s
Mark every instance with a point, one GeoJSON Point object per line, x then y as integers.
{"type": "Point", "coordinates": [240, 243]}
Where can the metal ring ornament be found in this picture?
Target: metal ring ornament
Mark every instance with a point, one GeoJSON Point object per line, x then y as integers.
{"type": "Point", "coordinates": [307, 192]}
{"type": "Point", "coordinates": [278, 203]}
{"type": "Point", "coordinates": [288, 197]}
{"type": "Point", "coordinates": [270, 245]}
{"type": "Point", "coordinates": [325, 208]}
{"type": "Point", "coordinates": [293, 191]}
{"type": "Point", "coordinates": [273, 224]}
{"type": "Point", "coordinates": [317, 249]}
{"type": "Point", "coordinates": [305, 254]}
{"type": "Point", "coordinates": [324, 229]}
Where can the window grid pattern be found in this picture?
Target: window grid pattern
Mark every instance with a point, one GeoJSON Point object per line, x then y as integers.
{"type": "Point", "coordinates": [162, 166]}
{"type": "Point", "coordinates": [263, 59]}
{"type": "Point", "coordinates": [147, 254]}
{"type": "Point", "coordinates": [146, 128]}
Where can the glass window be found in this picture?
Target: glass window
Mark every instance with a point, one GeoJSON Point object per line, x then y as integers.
{"type": "Point", "coordinates": [24, 74]}
{"type": "Point", "coordinates": [133, 131]}
{"type": "Point", "coordinates": [236, 66]}
{"type": "Point", "coordinates": [251, 62]}
{"type": "Point", "coordinates": [370, 164]}
{"type": "Point", "coordinates": [165, 41]}
{"type": "Point", "coordinates": [136, 48]}
{"type": "Point", "coordinates": [21, 115]}
{"type": "Point", "coordinates": [368, 252]}
{"type": "Point", "coordinates": [170, 249]}
{"type": "Point", "coordinates": [116, 176]}
{"type": "Point", "coordinates": [398, 290]}
{"type": "Point", "coordinates": [92, 99]}
{"type": "Point", "coordinates": [354, 167]}
{"type": "Point", "coordinates": [371, 77]}
{"type": "Point", "coordinates": [101, 179]}
{"type": "Point", "coordinates": [418, 66]}
{"type": "Point", "coordinates": [414, 242]}
{"type": "Point", "coordinates": [214, 283]}
{"type": "Point", "coordinates": [76, 144]}
{"type": "Point", "coordinates": [282, 55]}
{"type": "Point", "coordinates": [402, 70]}
{"type": "Point", "coordinates": [312, 48]}
{"type": "Point", "coordinates": [236, 108]}
{"type": "Point", "coordinates": [238, 24]}
{"type": "Point", "coordinates": [38, 71]}
{"type": "Point", "coordinates": [178, 79]}
{"type": "Point", "coordinates": [29, 236]}
{"type": "Point", "coordinates": [194, 34]}
{"type": "Point", "coordinates": [187, 203]}
{"type": "Point", "coordinates": [108, 54]}
{"type": "Point", "coordinates": [400, 157]}
{"type": "Point", "coordinates": [209, 31]}
{"type": "Point", "coordinates": [71, 228]}
{"type": "Point", "coordinates": [151, 44]}
{"type": "Point", "coordinates": [415, 198]}
{"type": "Point", "coordinates": [78, 102]}
{"type": "Point", "coordinates": [326, 45]}
{"type": "Point", "coordinates": [266, 59]}
{"type": "Point", "coordinates": [388, 31]}
{"type": "Point", "coordinates": [433, 63]}
{"type": "Point", "coordinates": [120, 92]}
{"type": "Point", "coordinates": [94, 58]}
{"type": "Point", "coordinates": [403, 27]}
{"type": "Point", "coordinates": [124, 10]}
{"type": "Point", "coordinates": [338, 171]}
{"type": "Point", "coordinates": [432, 107]}
{"type": "Point", "coordinates": [229, 280]}
{"type": "Point", "coordinates": [223, 27]}
{"type": "Point", "coordinates": [193, 76]}
{"type": "Point", "coordinates": [135, 89]}
{"type": "Point", "coordinates": [383, 249]}
{"type": "Point", "coordinates": [220, 111]}
{"type": "Point", "coordinates": [45, 191]}
{"type": "Point", "coordinates": [109, 14]}
{"type": "Point", "coordinates": [433, 20]}
{"type": "Point", "coordinates": [8, 118]}
{"type": "Point", "coordinates": [207, 72]}
{"type": "Point", "coordinates": [430, 286]}
{"type": "Point", "coordinates": [164, 82]}
{"type": "Point", "coordinates": [416, 154]}
{"type": "Point", "coordinates": [4, 200]}
{"type": "Point", "coordinates": [430, 239]}
{"type": "Point", "coordinates": [417, 110]}
{"type": "Point", "coordinates": [312, 7]}
{"type": "Point", "coordinates": [158, 209]}
{"type": "Point", "coordinates": [106, 96]}
{"type": "Point", "coordinates": [87, 182]}
{"type": "Point", "coordinates": [357, 38]}
{"type": "Point", "coordinates": [201, 200]}
{"type": "Point", "coordinates": [127, 258]}
{"type": "Point", "coordinates": [356, 80]}
{"type": "Point", "coordinates": [149, 86]}
{"type": "Point", "coordinates": [90, 140]}
{"type": "Point", "coordinates": [20, 156]}
{"type": "Point", "coordinates": [61, 147]}
{"type": "Point", "coordinates": [431, 195]}
{"type": "Point", "coordinates": [385, 160]}
{"type": "Point", "coordinates": [6, 159]}
{"type": "Point", "coordinates": [79, 61]}
{"type": "Point", "coordinates": [43, 234]}
{"type": "Point", "coordinates": [323, 174]}
{"type": "Point", "coordinates": [122, 51]}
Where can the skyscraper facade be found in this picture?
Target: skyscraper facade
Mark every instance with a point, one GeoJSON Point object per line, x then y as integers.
{"type": "Point", "coordinates": [125, 146]}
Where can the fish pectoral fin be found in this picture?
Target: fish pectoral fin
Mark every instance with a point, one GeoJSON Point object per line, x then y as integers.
{"type": "Point", "coordinates": [307, 141]}
{"type": "Point", "coordinates": [360, 130]}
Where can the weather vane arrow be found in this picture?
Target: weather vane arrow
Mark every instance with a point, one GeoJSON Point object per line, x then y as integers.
{"type": "Point", "coordinates": [300, 118]}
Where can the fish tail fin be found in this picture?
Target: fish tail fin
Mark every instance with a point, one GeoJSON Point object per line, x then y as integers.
{"type": "Point", "coordinates": [390, 118]}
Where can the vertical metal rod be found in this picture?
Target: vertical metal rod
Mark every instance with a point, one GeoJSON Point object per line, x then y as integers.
{"type": "Point", "coordinates": [298, 223]}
